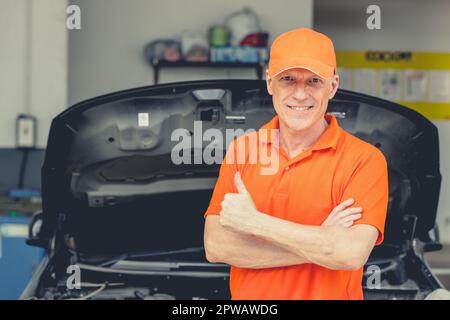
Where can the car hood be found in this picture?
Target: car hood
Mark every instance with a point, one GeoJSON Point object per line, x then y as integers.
{"type": "Point", "coordinates": [109, 185]}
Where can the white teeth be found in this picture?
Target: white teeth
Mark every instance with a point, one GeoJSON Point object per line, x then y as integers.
{"type": "Point", "coordinates": [300, 108]}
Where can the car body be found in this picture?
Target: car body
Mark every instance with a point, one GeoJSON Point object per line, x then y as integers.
{"type": "Point", "coordinates": [117, 209]}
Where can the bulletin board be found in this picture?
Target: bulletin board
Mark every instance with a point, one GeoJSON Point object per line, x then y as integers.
{"type": "Point", "coordinates": [418, 80]}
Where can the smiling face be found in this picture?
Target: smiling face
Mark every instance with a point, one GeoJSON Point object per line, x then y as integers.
{"type": "Point", "coordinates": [300, 98]}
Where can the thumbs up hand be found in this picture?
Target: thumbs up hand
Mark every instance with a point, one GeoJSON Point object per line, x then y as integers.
{"type": "Point", "coordinates": [239, 212]}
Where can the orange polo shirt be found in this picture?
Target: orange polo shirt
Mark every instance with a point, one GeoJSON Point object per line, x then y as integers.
{"type": "Point", "coordinates": [304, 190]}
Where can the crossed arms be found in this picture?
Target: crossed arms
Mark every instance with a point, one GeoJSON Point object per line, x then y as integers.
{"type": "Point", "coordinates": [244, 237]}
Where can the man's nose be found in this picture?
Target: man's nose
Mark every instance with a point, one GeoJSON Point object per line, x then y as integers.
{"type": "Point", "coordinates": [300, 90]}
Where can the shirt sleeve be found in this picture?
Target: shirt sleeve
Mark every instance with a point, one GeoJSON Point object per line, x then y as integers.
{"type": "Point", "coordinates": [368, 185]}
{"type": "Point", "coordinates": [224, 184]}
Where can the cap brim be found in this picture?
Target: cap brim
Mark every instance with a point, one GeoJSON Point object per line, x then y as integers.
{"type": "Point", "coordinates": [323, 70]}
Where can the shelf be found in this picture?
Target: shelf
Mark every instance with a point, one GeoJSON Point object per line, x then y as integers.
{"type": "Point", "coordinates": [204, 64]}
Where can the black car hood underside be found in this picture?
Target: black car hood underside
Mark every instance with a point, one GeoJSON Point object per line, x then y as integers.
{"type": "Point", "coordinates": [110, 184]}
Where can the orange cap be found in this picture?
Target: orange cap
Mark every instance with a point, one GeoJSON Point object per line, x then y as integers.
{"type": "Point", "coordinates": [303, 48]}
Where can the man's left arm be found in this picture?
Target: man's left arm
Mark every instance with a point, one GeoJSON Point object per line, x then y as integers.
{"type": "Point", "coordinates": [333, 247]}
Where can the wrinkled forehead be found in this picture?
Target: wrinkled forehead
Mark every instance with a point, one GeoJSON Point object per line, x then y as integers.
{"type": "Point", "coordinates": [298, 73]}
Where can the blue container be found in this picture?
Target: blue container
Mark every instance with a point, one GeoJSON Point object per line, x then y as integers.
{"type": "Point", "coordinates": [17, 260]}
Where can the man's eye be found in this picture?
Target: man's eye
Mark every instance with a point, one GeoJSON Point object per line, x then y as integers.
{"type": "Point", "coordinates": [315, 81]}
{"type": "Point", "coordinates": [286, 78]}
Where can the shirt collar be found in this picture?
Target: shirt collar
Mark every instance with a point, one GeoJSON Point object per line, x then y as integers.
{"type": "Point", "coordinates": [328, 139]}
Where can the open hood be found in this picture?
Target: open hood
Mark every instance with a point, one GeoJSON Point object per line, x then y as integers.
{"type": "Point", "coordinates": [109, 185]}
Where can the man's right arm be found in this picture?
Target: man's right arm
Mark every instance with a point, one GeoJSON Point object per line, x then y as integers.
{"type": "Point", "coordinates": [222, 245]}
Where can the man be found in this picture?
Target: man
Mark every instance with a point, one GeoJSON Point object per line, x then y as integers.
{"type": "Point", "coordinates": [306, 231]}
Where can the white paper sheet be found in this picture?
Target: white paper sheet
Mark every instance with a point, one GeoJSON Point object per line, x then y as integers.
{"type": "Point", "coordinates": [415, 85]}
{"type": "Point", "coordinates": [439, 86]}
{"type": "Point", "coordinates": [390, 86]}
{"type": "Point", "coordinates": [345, 78]}
{"type": "Point", "coordinates": [365, 81]}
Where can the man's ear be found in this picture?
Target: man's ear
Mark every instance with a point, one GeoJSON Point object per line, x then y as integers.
{"type": "Point", "coordinates": [334, 85]}
{"type": "Point", "coordinates": [269, 82]}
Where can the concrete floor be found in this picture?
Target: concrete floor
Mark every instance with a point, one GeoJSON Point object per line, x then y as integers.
{"type": "Point", "coordinates": [439, 262]}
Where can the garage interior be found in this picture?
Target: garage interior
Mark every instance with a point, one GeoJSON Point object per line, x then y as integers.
{"type": "Point", "coordinates": [51, 61]}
